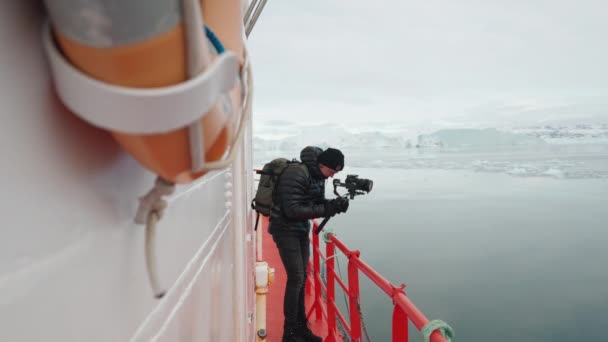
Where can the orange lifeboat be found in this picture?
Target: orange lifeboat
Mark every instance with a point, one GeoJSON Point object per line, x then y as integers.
{"type": "Point", "coordinates": [160, 81]}
{"type": "Point", "coordinates": [173, 99]}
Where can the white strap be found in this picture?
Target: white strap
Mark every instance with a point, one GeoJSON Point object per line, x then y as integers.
{"type": "Point", "coordinates": [140, 110]}
{"type": "Point", "coordinates": [197, 61]}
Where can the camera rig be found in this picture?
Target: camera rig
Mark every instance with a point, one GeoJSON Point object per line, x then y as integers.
{"type": "Point", "coordinates": [354, 186]}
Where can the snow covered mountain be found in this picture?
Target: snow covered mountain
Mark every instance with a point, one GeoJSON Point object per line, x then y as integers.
{"type": "Point", "coordinates": [283, 136]}
{"type": "Point", "coordinates": [578, 151]}
{"type": "Point", "coordinates": [469, 137]}
{"type": "Point", "coordinates": [580, 133]}
{"type": "Point", "coordinates": [287, 136]}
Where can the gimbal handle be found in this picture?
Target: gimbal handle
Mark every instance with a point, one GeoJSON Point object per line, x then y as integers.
{"type": "Point", "coordinates": [322, 225]}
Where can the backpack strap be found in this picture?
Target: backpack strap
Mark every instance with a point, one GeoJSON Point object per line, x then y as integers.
{"type": "Point", "coordinates": [257, 219]}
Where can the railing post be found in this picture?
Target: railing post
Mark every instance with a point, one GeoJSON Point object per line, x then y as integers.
{"type": "Point", "coordinates": [316, 262]}
{"type": "Point", "coordinates": [331, 291]}
{"type": "Point", "coordinates": [353, 287]}
{"type": "Point", "coordinates": [400, 325]}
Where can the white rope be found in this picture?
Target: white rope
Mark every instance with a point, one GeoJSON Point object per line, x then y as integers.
{"type": "Point", "coordinates": [151, 256]}
{"type": "Point", "coordinates": [158, 204]}
{"type": "Point", "coordinates": [153, 201]}
{"type": "Point", "coordinates": [150, 211]}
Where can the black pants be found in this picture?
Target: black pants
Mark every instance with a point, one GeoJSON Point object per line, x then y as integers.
{"type": "Point", "coordinates": [294, 251]}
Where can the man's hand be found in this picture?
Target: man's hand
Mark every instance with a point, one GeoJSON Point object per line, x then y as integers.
{"type": "Point", "coordinates": [330, 209]}
{"type": "Point", "coordinates": [341, 204]}
{"type": "Point", "coordinates": [336, 206]}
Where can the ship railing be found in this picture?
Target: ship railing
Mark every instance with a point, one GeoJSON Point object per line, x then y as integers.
{"type": "Point", "coordinates": [324, 306]}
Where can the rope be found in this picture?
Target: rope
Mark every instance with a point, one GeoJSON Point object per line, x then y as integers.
{"type": "Point", "coordinates": [362, 320]}
{"type": "Point", "coordinates": [151, 256]}
{"type": "Point", "coordinates": [153, 201]}
{"type": "Point", "coordinates": [323, 273]}
{"type": "Point", "coordinates": [440, 325]}
{"type": "Point", "coordinates": [326, 234]}
{"type": "Point", "coordinates": [150, 211]}
{"type": "Point", "coordinates": [340, 275]}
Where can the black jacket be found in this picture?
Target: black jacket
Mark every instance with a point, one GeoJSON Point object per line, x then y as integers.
{"type": "Point", "coordinates": [299, 195]}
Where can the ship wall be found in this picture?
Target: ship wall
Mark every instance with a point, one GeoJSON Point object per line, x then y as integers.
{"type": "Point", "coordinates": [72, 264]}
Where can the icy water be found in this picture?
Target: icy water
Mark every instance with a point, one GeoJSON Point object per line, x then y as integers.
{"type": "Point", "coordinates": [503, 245]}
{"type": "Point", "coordinates": [501, 258]}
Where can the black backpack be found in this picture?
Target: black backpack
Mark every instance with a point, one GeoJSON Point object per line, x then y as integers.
{"type": "Point", "coordinates": [269, 178]}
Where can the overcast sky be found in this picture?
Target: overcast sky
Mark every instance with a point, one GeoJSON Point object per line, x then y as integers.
{"type": "Point", "coordinates": [418, 61]}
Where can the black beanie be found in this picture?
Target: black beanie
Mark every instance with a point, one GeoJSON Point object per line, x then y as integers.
{"type": "Point", "coordinates": [332, 158]}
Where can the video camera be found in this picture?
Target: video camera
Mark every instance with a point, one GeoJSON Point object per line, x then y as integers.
{"type": "Point", "coordinates": [354, 185]}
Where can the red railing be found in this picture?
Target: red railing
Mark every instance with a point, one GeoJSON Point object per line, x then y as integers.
{"type": "Point", "coordinates": [325, 307]}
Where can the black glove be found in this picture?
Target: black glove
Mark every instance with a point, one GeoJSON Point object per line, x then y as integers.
{"type": "Point", "coordinates": [336, 206]}
{"type": "Point", "coordinates": [330, 208]}
{"type": "Point", "coordinates": [341, 204]}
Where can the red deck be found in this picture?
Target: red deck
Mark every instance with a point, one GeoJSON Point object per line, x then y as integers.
{"type": "Point", "coordinates": [274, 303]}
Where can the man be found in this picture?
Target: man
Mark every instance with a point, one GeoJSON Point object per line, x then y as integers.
{"type": "Point", "coordinates": [300, 196]}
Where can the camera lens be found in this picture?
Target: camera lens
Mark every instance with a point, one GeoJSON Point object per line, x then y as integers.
{"type": "Point", "coordinates": [365, 184]}
{"type": "Point", "coordinates": [370, 185]}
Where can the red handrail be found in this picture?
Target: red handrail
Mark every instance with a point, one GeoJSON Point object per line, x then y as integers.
{"type": "Point", "coordinates": [403, 310]}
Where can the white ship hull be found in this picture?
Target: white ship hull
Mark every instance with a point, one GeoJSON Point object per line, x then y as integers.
{"type": "Point", "coordinates": [72, 264]}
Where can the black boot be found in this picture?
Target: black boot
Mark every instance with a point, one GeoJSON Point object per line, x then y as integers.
{"type": "Point", "coordinates": [306, 334]}
{"type": "Point", "coordinates": [290, 335]}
